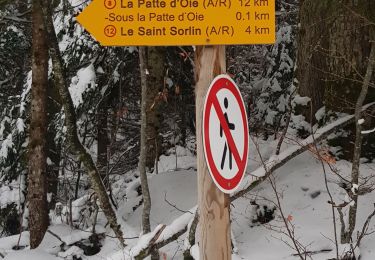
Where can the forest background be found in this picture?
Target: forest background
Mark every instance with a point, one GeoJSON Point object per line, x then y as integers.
{"type": "Point", "coordinates": [83, 128]}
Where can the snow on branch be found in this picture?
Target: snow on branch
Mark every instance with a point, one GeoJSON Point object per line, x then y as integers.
{"type": "Point", "coordinates": [158, 238]}
{"type": "Point", "coordinates": [366, 132]}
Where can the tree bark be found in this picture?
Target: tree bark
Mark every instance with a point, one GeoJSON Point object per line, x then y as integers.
{"type": "Point", "coordinates": [70, 121]}
{"type": "Point", "coordinates": [37, 179]}
{"type": "Point", "coordinates": [214, 232]}
{"type": "Point", "coordinates": [142, 159]}
{"type": "Point", "coordinates": [144, 152]}
{"type": "Point", "coordinates": [333, 48]}
{"type": "Point", "coordinates": [155, 64]}
{"type": "Point", "coordinates": [347, 55]}
{"type": "Point", "coordinates": [313, 36]}
{"type": "Point", "coordinates": [347, 52]}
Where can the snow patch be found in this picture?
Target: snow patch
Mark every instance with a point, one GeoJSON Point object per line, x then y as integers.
{"type": "Point", "coordinates": [36, 254]}
{"type": "Point", "coordinates": [85, 79]}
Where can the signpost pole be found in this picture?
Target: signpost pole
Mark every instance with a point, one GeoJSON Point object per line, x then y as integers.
{"type": "Point", "coordinates": [213, 204]}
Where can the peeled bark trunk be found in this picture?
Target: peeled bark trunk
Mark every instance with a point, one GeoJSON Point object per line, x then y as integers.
{"type": "Point", "coordinates": [37, 179]}
{"type": "Point", "coordinates": [214, 205]}
{"type": "Point", "coordinates": [70, 120]}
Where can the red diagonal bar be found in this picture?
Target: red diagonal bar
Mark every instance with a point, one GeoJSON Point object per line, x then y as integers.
{"type": "Point", "coordinates": [228, 134]}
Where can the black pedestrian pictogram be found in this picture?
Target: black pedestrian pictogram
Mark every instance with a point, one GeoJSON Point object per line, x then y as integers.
{"type": "Point", "coordinates": [231, 126]}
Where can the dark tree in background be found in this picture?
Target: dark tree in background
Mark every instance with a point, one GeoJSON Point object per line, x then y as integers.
{"type": "Point", "coordinates": [265, 73]}
{"type": "Point", "coordinates": [333, 51]}
{"type": "Point", "coordinates": [15, 84]}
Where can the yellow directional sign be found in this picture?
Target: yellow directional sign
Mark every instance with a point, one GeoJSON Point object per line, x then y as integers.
{"type": "Point", "coordinates": [180, 22]}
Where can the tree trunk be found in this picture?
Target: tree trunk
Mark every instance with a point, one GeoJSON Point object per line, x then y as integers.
{"type": "Point", "coordinates": [142, 158]}
{"type": "Point", "coordinates": [333, 48]}
{"type": "Point", "coordinates": [37, 179]}
{"type": "Point", "coordinates": [102, 138]}
{"type": "Point", "coordinates": [145, 128]}
{"type": "Point", "coordinates": [347, 236]}
{"type": "Point", "coordinates": [347, 55]}
{"type": "Point", "coordinates": [311, 39]}
{"type": "Point", "coordinates": [70, 121]}
{"type": "Point", "coordinates": [214, 221]}
{"type": "Point", "coordinates": [154, 60]}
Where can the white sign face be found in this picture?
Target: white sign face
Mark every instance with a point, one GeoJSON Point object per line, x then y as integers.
{"type": "Point", "coordinates": [225, 133]}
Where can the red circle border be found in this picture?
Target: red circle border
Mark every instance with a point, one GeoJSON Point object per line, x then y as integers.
{"type": "Point", "coordinates": [225, 185]}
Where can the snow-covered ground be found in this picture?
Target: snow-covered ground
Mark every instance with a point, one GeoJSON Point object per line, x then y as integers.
{"type": "Point", "coordinates": [304, 200]}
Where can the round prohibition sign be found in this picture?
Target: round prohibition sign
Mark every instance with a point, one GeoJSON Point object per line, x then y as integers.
{"type": "Point", "coordinates": [225, 134]}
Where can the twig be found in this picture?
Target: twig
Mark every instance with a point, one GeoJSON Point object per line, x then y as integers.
{"type": "Point", "coordinates": [174, 206]}
{"type": "Point", "coordinates": [365, 227]}
{"type": "Point", "coordinates": [327, 188]}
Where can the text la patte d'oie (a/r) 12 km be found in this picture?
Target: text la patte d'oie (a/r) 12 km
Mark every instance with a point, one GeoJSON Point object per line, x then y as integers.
{"type": "Point", "coordinates": [180, 22]}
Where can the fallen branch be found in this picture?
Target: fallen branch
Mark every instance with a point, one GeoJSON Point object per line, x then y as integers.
{"type": "Point", "coordinates": [161, 236]}
{"type": "Point", "coordinates": [151, 248]}
{"type": "Point", "coordinates": [172, 232]}
{"type": "Point", "coordinates": [56, 236]}
{"type": "Point", "coordinates": [316, 252]}
{"type": "Point", "coordinates": [190, 239]}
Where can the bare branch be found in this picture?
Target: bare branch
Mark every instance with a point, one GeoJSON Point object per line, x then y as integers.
{"type": "Point", "coordinates": [174, 206]}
